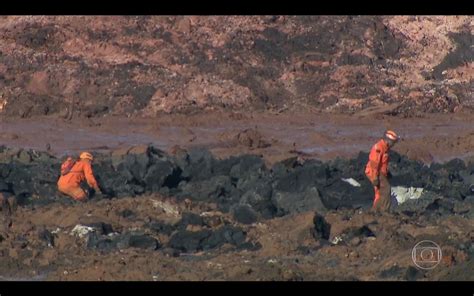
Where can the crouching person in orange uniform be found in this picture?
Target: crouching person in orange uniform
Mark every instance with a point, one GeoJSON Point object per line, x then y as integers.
{"type": "Point", "coordinates": [377, 171]}
{"type": "Point", "coordinates": [73, 173]}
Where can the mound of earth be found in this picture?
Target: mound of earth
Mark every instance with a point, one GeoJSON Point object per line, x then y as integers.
{"type": "Point", "coordinates": [89, 66]}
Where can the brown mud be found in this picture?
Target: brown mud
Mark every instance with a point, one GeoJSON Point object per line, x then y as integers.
{"type": "Point", "coordinates": [431, 138]}
{"type": "Point", "coordinates": [288, 249]}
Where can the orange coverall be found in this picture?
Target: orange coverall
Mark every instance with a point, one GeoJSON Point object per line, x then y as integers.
{"type": "Point", "coordinates": [377, 168]}
{"type": "Point", "coordinates": [69, 184]}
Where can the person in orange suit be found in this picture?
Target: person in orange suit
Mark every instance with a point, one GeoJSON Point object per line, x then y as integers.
{"type": "Point", "coordinates": [79, 171]}
{"type": "Point", "coordinates": [377, 170]}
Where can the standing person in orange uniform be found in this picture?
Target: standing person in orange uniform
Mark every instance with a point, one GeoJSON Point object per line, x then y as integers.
{"type": "Point", "coordinates": [377, 170]}
{"type": "Point", "coordinates": [73, 173]}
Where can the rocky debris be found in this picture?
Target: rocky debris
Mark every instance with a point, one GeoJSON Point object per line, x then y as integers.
{"type": "Point", "coordinates": [167, 207]}
{"type": "Point", "coordinates": [244, 214]}
{"type": "Point", "coordinates": [402, 194]}
{"type": "Point", "coordinates": [132, 239]}
{"type": "Point", "coordinates": [428, 201]}
{"type": "Point", "coordinates": [242, 185]}
{"type": "Point", "coordinates": [292, 247]}
{"type": "Point", "coordinates": [189, 218]}
{"type": "Point", "coordinates": [160, 227]}
{"type": "Point", "coordinates": [354, 236]}
{"type": "Point", "coordinates": [142, 241]}
{"type": "Point", "coordinates": [291, 203]}
{"type": "Point", "coordinates": [100, 228]}
{"type": "Point", "coordinates": [204, 240]}
{"type": "Point", "coordinates": [46, 236]}
{"type": "Point", "coordinates": [82, 230]}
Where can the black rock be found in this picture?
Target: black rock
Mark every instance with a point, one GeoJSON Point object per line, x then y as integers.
{"type": "Point", "coordinates": [211, 190]}
{"type": "Point", "coordinates": [428, 201]}
{"type": "Point", "coordinates": [455, 165]}
{"type": "Point", "coordinates": [170, 252]}
{"type": "Point", "coordinates": [322, 229]}
{"type": "Point", "coordinates": [392, 272]}
{"type": "Point", "coordinates": [247, 164]}
{"type": "Point", "coordinates": [250, 246]}
{"type": "Point", "coordinates": [302, 178]}
{"type": "Point", "coordinates": [46, 236]}
{"type": "Point", "coordinates": [260, 200]}
{"type": "Point", "coordinates": [244, 214]}
{"type": "Point", "coordinates": [340, 194]}
{"type": "Point", "coordinates": [298, 202]}
{"type": "Point", "coordinates": [101, 228]}
{"type": "Point", "coordinates": [225, 234]}
{"type": "Point", "coordinates": [188, 241]}
{"type": "Point", "coordinates": [161, 227]}
{"type": "Point", "coordinates": [357, 233]}
{"type": "Point", "coordinates": [198, 166]}
{"type": "Point", "coordinates": [4, 186]}
{"type": "Point", "coordinates": [188, 218]}
{"type": "Point", "coordinates": [413, 274]}
{"type": "Point", "coordinates": [121, 241]}
{"type": "Point", "coordinates": [142, 241]}
{"type": "Point", "coordinates": [102, 243]}
{"type": "Point", "coordinates": [158, 173]}
{"type": "Point", "coordinates": [127, 213]}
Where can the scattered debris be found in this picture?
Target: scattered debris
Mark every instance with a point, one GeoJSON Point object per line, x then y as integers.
{"type": "Point", "coordinates": [402, 194]}
{"type": "Point", "coordinates": [166, 207]}
{"type": "Point", "coordinates": [352, 182]}
{"type": "Point", "coordinates": [81, 230]}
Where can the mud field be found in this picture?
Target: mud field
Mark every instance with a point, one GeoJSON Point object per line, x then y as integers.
{"type": "Point", "coordinates": [234, 148]}
{"type": "Point", "coordinates": [186, 214]}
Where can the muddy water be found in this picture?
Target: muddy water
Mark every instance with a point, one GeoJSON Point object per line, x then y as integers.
{"type": "Point", "coordinates": [318, 135]}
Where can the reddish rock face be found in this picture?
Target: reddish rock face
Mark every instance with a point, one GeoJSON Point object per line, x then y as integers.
{"type": "Point", "coordinates": [153, 64]}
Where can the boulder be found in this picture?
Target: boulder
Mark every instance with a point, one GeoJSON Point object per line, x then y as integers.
{"type": "Point", "coordinates": [193, 241]}
{"type": "Point", "coordinates": [244, 214]}
{"type": "Point", "coordinates": [322, 229]}
{"type": "Point", "coordinates": [121, 241]}
{"type": "Point", "coordinates": [298, 202]}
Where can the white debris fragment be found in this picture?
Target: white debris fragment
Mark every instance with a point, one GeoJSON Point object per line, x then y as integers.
{"type": "Point", "coordinates": [351, 181]}
{"type": "Point", "coordinates": [81, 230]}
{"type": "Point", "coordinates": [272, 261]}
{"type": "Point", "coordinates": [211, 214]}
{"type": "Point", "coordinates": [336, 240]}
{"type": "Point", "coordinates": [402, 194]}
{"type": "Point", "coordinates": [166, 207]}
{"type": "Point", "coordinates": [57, 230]}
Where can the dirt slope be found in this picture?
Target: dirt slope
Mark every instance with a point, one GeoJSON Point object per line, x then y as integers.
{"type": "Point", "coordinates": [147, 65]}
